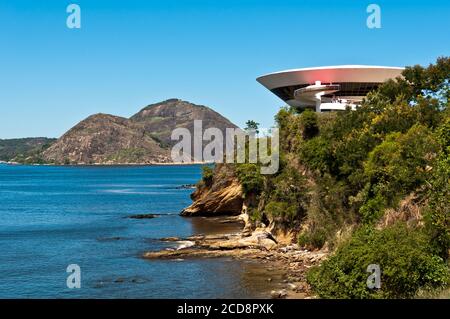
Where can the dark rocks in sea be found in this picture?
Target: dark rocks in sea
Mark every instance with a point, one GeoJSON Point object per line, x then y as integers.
{"type": "Point", "coordinates": [111, 238]}
{"type": "Point", "coordinates": [143, 216]}
{"type": "Point", "coordinates": [170, 239]}
{"type": "Point", "coordinates": [120, 280]}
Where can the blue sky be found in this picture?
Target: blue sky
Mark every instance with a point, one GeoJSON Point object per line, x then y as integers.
{"type": "Point", "coordinates": [129, 54]}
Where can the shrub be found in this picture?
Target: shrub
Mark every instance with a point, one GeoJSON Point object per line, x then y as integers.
{"type": "Point", "coordinates": [254, 214]}
{"type": "Point", "coordinates": [313, 238]}
{"type": "Point", "coordinates": [316, 154]}
{"type": "Point", "coordinates": [438, 212]}
{"type": "Point", "coordinates": [326, 213]}
{"type": "Point", "coordinates": [250, 177]}
{"type": "Point", "coordinates": [285, 195]}
{"type": "Point", "coordinates": [207, 175]}
{"type": "Point", "coordinates": [309, 123]}
{"type": "Point", "coordinates": [290, 130]}
{"type": "Point", "coordinates": [404, 256]}
{"type": "Point", "coordinates": [397, 167]}
{"type": "Point", "coordinates": [284, 212]}
{"type": "Point", "coordinates": [351, 151]}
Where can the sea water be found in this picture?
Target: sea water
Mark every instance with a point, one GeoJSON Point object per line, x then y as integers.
{"type": "Point", "coordinates": [54, 216]}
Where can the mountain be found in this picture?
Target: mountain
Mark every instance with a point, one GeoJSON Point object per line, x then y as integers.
{"type": "Point", "coordinates": [160, 119]}
{"type": "Point", "coordinates": [142, 139]}
{"type": "Point", "coordinates": [19, 149]}
{"type": "Point", "coordinates": [105, 139]}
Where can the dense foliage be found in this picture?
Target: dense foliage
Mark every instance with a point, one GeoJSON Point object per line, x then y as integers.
{"type": "Point", "coordinates": [207, 175]}
{"type": "Point", "coordinates": [351, 170]}
{"type": "Point", "coordinates": [405, 259]}
{"type": "Point", "coordinates": [250, 178]}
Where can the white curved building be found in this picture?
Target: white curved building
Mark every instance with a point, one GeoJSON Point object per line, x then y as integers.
{"type": "Point", "coordinates": [327, 88]}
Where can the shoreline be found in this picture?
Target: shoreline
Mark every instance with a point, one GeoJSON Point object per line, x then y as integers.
{"type": "Point", "coordinates": [260, 247]}
{"type": "Point", "coordinates": [108, 164]}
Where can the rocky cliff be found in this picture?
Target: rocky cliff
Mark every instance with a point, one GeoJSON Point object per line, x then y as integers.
{"type": "Point", "coordinates": [222, 196]}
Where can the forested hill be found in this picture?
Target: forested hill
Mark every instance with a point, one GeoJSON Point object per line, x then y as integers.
{"type": "Point", "coordinates": [21, 148]}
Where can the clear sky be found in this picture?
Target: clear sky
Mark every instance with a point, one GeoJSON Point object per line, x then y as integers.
{"type": "Point", "coordinates": [132, 53]}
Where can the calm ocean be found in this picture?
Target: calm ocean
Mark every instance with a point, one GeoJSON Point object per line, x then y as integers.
{"type": "Point", "coordinates": [51, 217]}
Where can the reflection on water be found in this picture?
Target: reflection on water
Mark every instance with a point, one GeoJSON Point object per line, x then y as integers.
{"type": "Point", "coordinates": [254, 278]}
{"type": "Point", "coordinates": [214, 225]}
{"type": "Point", "coordinates": [258, 279]}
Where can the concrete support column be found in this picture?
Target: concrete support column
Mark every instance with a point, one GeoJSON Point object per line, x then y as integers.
{"type": "Point", "coordinates": [318, 102]}
{"type": "Point", "coordinates": [318, 99]}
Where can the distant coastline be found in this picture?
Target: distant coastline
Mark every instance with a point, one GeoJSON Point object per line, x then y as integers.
{"type": "Point", "coordinates": [108, 165]}
{"type": "Point", "coordinates": [103, 139]}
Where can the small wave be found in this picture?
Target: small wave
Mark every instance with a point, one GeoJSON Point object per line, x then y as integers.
{"type": "Point", "coordinates": [131, 192]}
{"type": "Point", "coordinates": [134, 185]}
{"type": "Point", "coordinates": [185, 244]}
{"type": "Point", "coordinates": [41, 193]}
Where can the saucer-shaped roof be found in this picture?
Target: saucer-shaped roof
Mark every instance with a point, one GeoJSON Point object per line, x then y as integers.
{"type": "Point", "coordinates": [330, 74]}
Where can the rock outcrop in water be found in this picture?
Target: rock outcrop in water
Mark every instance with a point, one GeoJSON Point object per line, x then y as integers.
{"type": "Point", "coordinates": [143, 216]}
{"type": "Point", "coordinates": [223, 196]}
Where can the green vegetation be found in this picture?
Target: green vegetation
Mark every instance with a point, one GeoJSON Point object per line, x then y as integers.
{"type": "Point", "coordinates": [207, 175]}
{"type": "Point", "coordinates": [438, 210]}
{"type": "Point", "coordinates": [252, 126]}
{"type": "Point", "coordinates": [128, 155]}
{"type": "Point", "coordinates": [405, 259]}
{"type": "Point", "coordinates": [372, 185]}
{"type": "Point", "coordinates": [286, 197]}
{"type": "Point", "coordinates": [24, 150]}
{"type": "Point", "coordinates": [250, 178]}
{"type": "Point", "coordinates": [309, 123]}
{"type": "Point", "coordinates": [396, 167]}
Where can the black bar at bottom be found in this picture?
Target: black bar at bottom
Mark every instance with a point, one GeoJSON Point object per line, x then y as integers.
{"type": "Point", "coordinates": [214, 308]}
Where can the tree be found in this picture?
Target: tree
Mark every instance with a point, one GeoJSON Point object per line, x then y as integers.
{"type": "Point", "coordinates": [207, 175]}
{"type": "Point", "coordinates": [309, 123]}
{"type": "Point", "coordinates": [252, 126]}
